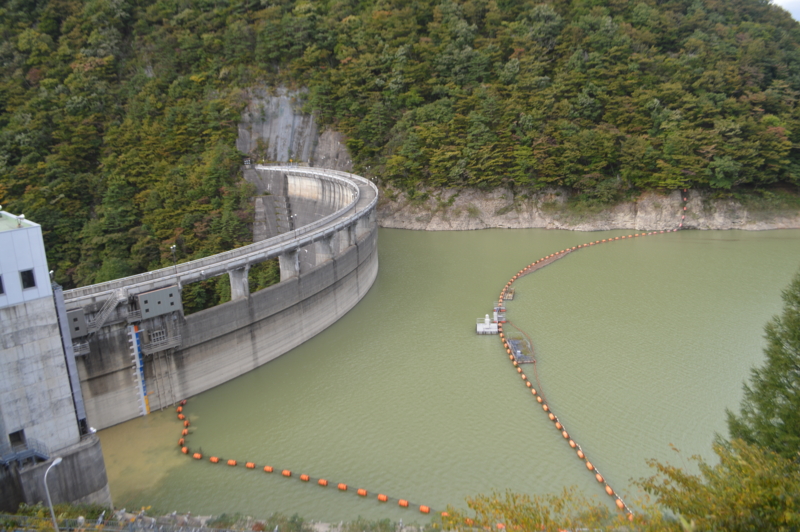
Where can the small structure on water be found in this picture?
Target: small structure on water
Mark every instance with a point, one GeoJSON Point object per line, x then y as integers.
{"type": "Point", "coordinates": [522, 350]}
{"type": "Point", "coordinates": [488, 324]}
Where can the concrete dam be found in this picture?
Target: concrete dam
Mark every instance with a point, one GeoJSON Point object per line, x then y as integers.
{"type": "Point", "coordinates": [135, 349]}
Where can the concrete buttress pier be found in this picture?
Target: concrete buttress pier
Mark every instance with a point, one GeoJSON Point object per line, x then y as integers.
{"type": "Point", "coordinates": [136, 351]}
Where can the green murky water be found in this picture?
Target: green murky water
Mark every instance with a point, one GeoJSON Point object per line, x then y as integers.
{"type": "Point", "coordinates": [641, 344]}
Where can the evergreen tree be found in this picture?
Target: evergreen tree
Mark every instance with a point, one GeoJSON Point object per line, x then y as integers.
{"type": "Point", "coordinates": [770, 409]}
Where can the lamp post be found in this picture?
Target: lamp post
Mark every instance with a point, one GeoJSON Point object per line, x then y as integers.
{"type": "Point", "coordinates": [47, 491]}
{"type": "Point", "coordinates": [175, 265]}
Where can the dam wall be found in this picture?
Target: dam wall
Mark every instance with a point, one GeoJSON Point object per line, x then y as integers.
{"type": "Point", "coordinates": [137, 352]}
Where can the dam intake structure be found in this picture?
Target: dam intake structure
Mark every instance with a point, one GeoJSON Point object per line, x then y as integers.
{"type": "Point", "coordinates": [136, 351]}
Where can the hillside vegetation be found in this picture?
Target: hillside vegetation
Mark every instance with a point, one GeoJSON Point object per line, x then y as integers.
{"type": "Point", "coordinates": [118, 117]}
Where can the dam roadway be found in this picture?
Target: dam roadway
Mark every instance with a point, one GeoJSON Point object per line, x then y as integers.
{"type": "Point", "coordinates": [136, 353]}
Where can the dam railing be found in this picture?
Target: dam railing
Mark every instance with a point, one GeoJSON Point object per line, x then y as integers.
{"type": "Point", "coordinates": [196, 270]}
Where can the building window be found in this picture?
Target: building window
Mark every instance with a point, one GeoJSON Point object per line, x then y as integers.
{"type": "Point", "coordinates": [17, 440]}
{"type": "Point", "coordinates": [28, 280]}
{"type": "Point", "coordinates": [2, 291]}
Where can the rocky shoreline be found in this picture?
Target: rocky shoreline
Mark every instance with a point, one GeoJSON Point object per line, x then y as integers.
{"type": "Point", "coordinates": [466, 209]}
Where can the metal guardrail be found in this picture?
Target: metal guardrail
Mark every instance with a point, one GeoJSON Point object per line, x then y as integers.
{"type": "Point", "coordinates": [161, 345]}
{"type": "Point", "coordinates": [32, 449]}
{"type": "Point", "coordinates": [13, 523]}
{"type": "Point", "coordinates": [81, 348]}
{"type": "Point", "coordinates": [194, 270]}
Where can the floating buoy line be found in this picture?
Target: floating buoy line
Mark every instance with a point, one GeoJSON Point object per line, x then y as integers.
{"type": "Point", "coordinates": [536, 392]}
{"type": "Point", "coordinates": [287, 473]}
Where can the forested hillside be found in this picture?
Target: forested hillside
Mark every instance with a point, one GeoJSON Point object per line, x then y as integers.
{"type": "Point", "coordinates": [118, 117]}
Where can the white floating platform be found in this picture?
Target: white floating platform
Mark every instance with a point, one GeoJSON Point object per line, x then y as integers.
{"type": "Point", "coordinates": [487, 325]}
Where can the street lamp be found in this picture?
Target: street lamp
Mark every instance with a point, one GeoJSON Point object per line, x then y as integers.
{"type": "Point", "coordinates": [175, 265]}
{"type": "Point", "coordinates": [47, 491]}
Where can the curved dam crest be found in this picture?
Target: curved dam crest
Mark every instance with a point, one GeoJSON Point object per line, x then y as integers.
{"type": "Point", "coordinates": [136, 351]}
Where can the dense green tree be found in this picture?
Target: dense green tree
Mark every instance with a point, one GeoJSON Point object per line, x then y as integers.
{"type": "Point", "coordinates": [118, 118]}
{"type": "Point", "coordinates": [770, 410]}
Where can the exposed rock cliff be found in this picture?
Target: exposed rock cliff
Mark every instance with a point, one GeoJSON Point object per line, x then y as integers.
{"type": "Point", "coordinates": [470, 209]}
{"type": "Point", "coordinates": [274, 129]}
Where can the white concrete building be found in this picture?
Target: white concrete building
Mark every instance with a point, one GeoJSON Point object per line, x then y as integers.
{"type": "Point", "coordinates": [38, 407]}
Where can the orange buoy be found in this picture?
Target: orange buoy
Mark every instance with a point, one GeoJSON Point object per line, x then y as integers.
{"type": "Point", "coordinates": [545, 408]}
{"type": "Point", "coordinates": [181, 442]}
{"type": "Point", "coordinates": [524, 377]}
{"type": "Point", "coordinates": [559, 426]}
{"type": "Point", "coordinates": [551, 416]}
{"type": "Point", "coordinates": [589, 466]}
{"type": "Point", "coordinates": [214, 460]}
{"type": "Point", "coordinates": [519, 369]}
{"type": "Point", "coordinates": [609, 490]}
{"type": "Point", "coordinates": [197, 456]}
{"type": "Point", "coordinates": [268, 469]}
{"type": "Point", "coordinates": [528, 384]}
{"type": "Point", "coordinates": [362, 492]}
{"type": "Point", "coordinates": [620, 504]}
{"type": "Point", "coordinates": [502, 336]}
{"type": "Point", "coordinates": [581, 455]}
{"type": "Point", "coordinates": [185, 450]}
{"type": "Point", "coordinates": [179, 409]}
{"type": "Point", "coordinates": [342, 487]}
{"type": "Point", "coordinates": [508, 351]}
{"type": "Point", "coordinates": [514, 362]}
{"type": "Point", "coordinates": [403, 503]}
{"type": "Point", "coordinates": [572, 444]}
{"type": "Point", "coordinates": [181, 416]}
{"type": "Point", "coordinates": [304, 477]}
{"type": "Point", "coordinates": [564, 433]}
{"type": "Point", "coordinates": [186, 423]}
{"type": "Point", "coordinates": [599, 478]}
{"type": "Point", "coordinates": [630, 517]}
{"type": "Point", "coordinates": [424, 509]}
{"type": "Point", "coordinates": [250, 465]}
{"type": "Point", "coordinates": [539, 398]}
{"type": "Point", "coordinates": [185, 432]}
{"type": "Point", "coordinates": [286, 473]}
{"type": "Point", "coordinates": [382, 497]}
{"type": "Point", "coordinates": [511, 357]}
{"type": "Point", "coordinates": [183, 403]}
{"type": "Point", "coordinates": [533, 391]}
{"type": "Point", "coordinates": [232, 463]}
{"type": "Point", "coordinates": [322, 482]}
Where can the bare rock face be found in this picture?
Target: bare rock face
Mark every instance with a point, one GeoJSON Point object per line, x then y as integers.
{"type": "Point", "coordinates": [450, 209]}
{"type": "Point", "coordinates": [274, 129]}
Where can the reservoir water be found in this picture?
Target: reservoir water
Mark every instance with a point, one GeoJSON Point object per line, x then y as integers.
{"type": "Point", "coordinates": [641, 344]}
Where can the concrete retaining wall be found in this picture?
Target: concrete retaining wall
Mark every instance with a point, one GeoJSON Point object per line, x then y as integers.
{"type": "Point", "coordinates": [79, 478]}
